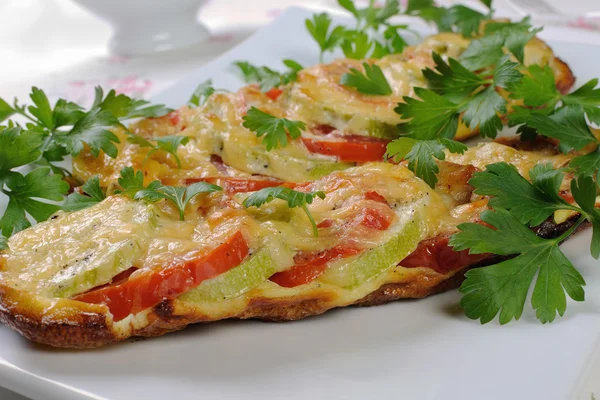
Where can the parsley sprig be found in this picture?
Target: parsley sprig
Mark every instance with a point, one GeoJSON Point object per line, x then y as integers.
{"type": "Point", "coordinates": [326, 36]}
{"type": "Point", "coordinates": [202, 92]}
{"type": "Point", "coordinates": [432, 116]}
{"type": "Point", "coordinates": [274, 130]}
{"type": "Point", "coordinates": [503, 287]}
{"type": "Point", "coordinates": [518, 204]}
{"type": "Point", "coordinates": [371, 82]}
{"type": "Point", "coordinates": [19, 147]}
{"type": "Point", "coordinates": [374, 36]}
{"type": "Point", "coordinates": [92, 195]}
{"type": "Point", "coordinates": [132, 184]}
{"type": "Point", "coordinates": [266, 77]}
{"type": "Point", "coordinates": [292, 197]}
{"type": "Point", "coordinates": [51, 134]}
{"type": "Point", "coordinates": [550, 113]}
{"type": "Point", "coordinates": [168, 144]}
{"type": "Point", "coordinates": [457, 18]}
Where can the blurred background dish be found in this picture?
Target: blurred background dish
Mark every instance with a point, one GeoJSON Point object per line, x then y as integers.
{"type": "Point", "coordinates": [148, 26]}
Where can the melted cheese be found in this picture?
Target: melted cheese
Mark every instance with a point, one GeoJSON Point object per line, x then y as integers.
{"type": "Point", "coordinates": [316, 98]}
{"type": "Point", "coordinates": [74, 252]}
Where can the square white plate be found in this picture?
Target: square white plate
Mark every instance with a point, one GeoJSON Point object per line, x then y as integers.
{"type": "Point", "coordinates": [421, 349]}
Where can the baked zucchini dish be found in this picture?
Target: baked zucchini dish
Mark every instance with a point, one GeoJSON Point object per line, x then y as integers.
{"type": "Point", "coordinates": [378, 175]}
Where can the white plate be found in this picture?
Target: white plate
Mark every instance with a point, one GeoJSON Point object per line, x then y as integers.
{"type": "Point", "coordinates": [422, 349]}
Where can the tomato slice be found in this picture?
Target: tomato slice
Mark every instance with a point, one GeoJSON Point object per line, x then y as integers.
{"type": "Point", "coordinates": [352, 148]}
{"type": "Point", "coordinates": [274, 93]}
{"type": "Point", "coordinates": [375, 197]}
{"type": "Point", "coordinates": [376, 219]}
{"type": "Point", "coordinates": [308, 266]}
{"type": "Point", "coordinates": [146, 288]}
{"type": "Point", "coordinates": [237, 185]}
{"type": "Point", "coordinates": [436, 254]}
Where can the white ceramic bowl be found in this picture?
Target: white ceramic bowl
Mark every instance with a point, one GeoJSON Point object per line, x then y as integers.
{"type": "Point", "coordinates": [148, 26]}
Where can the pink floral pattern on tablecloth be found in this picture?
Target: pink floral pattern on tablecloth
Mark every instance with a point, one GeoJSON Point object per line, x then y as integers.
{"type": "Point", "coordinates": [585, 23]}
{"type": "Point", "coordinates": [82, 91]}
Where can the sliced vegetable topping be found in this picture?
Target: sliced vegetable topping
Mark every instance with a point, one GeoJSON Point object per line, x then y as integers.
{"type": "Point", "coordinates": [147, 287]}
{"type": "Point", "coordinates": [235, 282]}
{"type": "Point", "coordinates": [350, 148]}
{"type": "Point", "coordinates": [436, 254]}
{"type": "Point", "coordinates": [308, 266]}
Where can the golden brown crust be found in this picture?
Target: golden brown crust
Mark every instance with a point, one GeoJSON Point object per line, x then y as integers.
{"type": "Point", "coordinates": [55, 322]}
{"type": "Point", "coordinates": [565, 79]}
{"type": "Point", "coordinates": [73, 324]}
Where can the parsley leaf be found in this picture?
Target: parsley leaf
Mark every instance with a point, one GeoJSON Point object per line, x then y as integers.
{"type": "Point", "coordinates": [587, 96]}
{"type": "Point", "coordinates": [465, 19]}
{"type": "Point", "coordinates": [537, 88]}
{"type": "Point", "coordinates": [584, 193]}
{"type": "Point", "coordinates": [42, 110]}
{"type": "Point", "coordinates": [266, 77]}
{"type": "Point", "coordinates": [293, 198]}
{"type": "Point", "coordinates": [483, 111]}
{"type": "Point", "coordinates": [274, 130]}
{"type": "Point", "coordinates": [169, 144]}
{"type": "Point", "coordinates": [502, 288]}
{"type": "Point", "coordinates": [92, 130]}
{"type": "Point", "coordinates": [588, 165]}
{"type": "Point", "coordinates": [18, 147]}
{"type": "Point", "coordinates": [488, 49]}
{"type": "Point", "coordinates": [22, 190]}
{"type": "Point", "coordinates": [430, 116]}
{"type": "Point", "coordinates": [3, 243]}
{"type": "Point", "coordinates": [132, 184]}
{"type": "Point", "coordinates": [372, 82]}
{"type": "Point", "coordinates": [180, 196]}
{"type": "Point", "coordinates": [319, 28]}
{"type": "Point", "coordinates": [530, 203]}
{"type": "Point", "coordinates": [123, 107]}
{"type": "Point", "coordinates": [457, 18]}
{"type": "Point", "coordinates": [356, 45]}
{"type": "Point", "coordinates": [451, 79]}
{"type": "Point", "coordinates": [77, 201]}
{"type": "Point", "coordinates": [567, 124]}
{"type": "Point", "coordinates": [6, 111]}
{"type": "Point", "coordinates": [483, 52]}
{"type": "Point", "coordinates": [202, 93]}
{"type": "Point", "coordinates": [419, 154]}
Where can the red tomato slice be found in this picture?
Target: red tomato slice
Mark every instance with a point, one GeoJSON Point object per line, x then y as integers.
{"type": "Point", "coordinates": [376, 219]}
{"type": "Point", "coordinates": [436, 254]}
{"type": "Point", "coordinates": [375, 197]}
{"type": "Point", "coordinates": [274, 93]}
{"type": "Point", "coordinates": [310, 265]}
{"type": "Point", "coordinates": [353, 148]}
{"type": "Point", "coordinates": [237, 185]}
{"type": "Point", "coordinates": [146, 288]}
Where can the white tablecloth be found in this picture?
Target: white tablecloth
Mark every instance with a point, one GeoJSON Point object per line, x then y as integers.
{"type": "Point", "coordinates": [56, 45]}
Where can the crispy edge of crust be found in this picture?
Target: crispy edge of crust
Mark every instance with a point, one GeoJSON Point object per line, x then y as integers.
{"type": "Point", "coordinates": [565, 79]}
{"type": "Point", "coordinates": [55, 322]}
{"type": "Point", "coordinates": [74, 324]}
